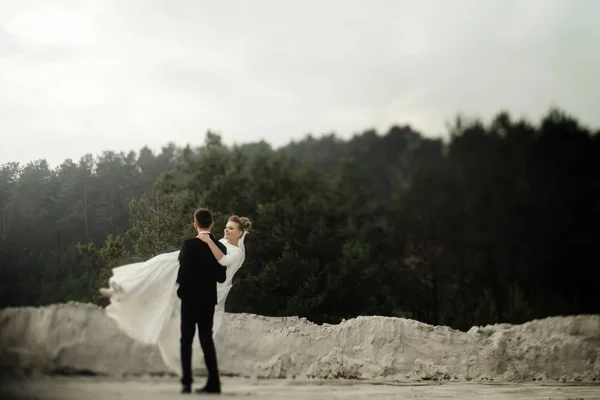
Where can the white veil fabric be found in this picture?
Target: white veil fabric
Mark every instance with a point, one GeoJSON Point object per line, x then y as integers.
{"type": "Point", "coordinates": [146, 307]}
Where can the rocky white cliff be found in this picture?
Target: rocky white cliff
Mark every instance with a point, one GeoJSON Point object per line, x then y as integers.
{"type": "Point", "coordinates": [80, 338]}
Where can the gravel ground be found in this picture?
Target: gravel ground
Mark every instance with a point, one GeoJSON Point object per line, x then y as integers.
{"type": "Point", "coordinates": [84, 388]}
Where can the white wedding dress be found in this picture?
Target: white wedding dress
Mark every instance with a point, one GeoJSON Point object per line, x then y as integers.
{"type": "Point", "coordinates": [145, 305]}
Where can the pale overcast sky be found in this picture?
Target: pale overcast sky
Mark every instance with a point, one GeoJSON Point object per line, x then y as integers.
{"type": "Point", "coordinates": [85, 76]}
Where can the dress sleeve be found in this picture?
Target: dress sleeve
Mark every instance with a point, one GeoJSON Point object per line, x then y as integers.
{"type": "Point", "coordinates": [231, 258]}
{"type": "Point", "coordinates": [220, 243]}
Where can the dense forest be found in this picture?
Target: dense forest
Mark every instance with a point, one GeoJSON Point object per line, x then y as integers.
{"type": "Point", "coordinates": [499, 223]}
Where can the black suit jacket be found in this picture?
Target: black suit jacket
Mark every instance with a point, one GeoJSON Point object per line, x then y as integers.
{"type": "Point", "coordinates": [199, 271]}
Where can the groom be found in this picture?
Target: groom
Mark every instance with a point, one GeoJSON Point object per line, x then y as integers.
{"type": "Point", "coordinates": [197, 277]}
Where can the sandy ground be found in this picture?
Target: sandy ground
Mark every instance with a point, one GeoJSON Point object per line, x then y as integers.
{"type": "Point", "coordinates": [83, 388]}
{"type": "Point", "coordinates": [82, 337]}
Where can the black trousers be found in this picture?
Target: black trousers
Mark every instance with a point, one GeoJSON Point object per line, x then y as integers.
{"type": "Point", "coordinates": [201, 315]}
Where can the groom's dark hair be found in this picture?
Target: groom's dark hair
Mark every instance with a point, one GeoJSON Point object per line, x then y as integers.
{"type": "Point", "coordinates": [203, 218]}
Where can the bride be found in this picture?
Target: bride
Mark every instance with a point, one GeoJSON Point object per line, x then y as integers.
{"type": "Point", "coordinates": [143, 296]}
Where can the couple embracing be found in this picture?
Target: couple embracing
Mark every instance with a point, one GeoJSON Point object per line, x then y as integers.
{"type": "Point", "coordinates": [172, 294]}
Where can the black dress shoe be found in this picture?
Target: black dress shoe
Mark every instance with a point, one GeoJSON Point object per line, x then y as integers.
{"type": "Point", "coordinates": [210, 388]}
{"type": "Point", "coordinates": [186, 389]}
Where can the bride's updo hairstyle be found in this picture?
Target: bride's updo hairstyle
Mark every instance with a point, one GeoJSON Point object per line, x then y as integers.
{"type": "Point", "coordinates": [243, 223]}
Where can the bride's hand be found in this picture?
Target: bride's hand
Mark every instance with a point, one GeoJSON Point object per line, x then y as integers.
{"type": "Point", "coordinates": [205, 237]}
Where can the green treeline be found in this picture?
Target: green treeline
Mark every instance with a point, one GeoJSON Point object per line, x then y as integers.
{"type": "Point", "coordinates": [500, 223]}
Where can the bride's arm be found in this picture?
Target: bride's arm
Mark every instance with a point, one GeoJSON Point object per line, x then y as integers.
{"type": "Point", "coordinates": [231, 258]}
{"type": "Point", "coordinates": [224, 259]}
{"type": "Point", "coordinates": [219, 244]}
{"type": "Point", "coordinates": [213, 247]}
